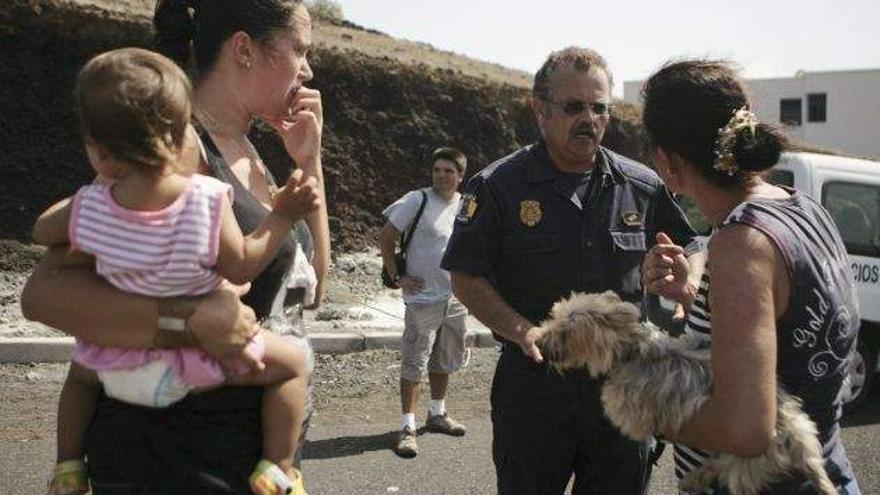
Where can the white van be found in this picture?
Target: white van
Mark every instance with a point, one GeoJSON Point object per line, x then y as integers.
{"type": "Point", "coordinates": [849, 189]}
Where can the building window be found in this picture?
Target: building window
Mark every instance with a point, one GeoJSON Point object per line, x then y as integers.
{"type": "Point", "coordinates": [816, 107]}
{"type": "Point", "coordinates": [790, 112]}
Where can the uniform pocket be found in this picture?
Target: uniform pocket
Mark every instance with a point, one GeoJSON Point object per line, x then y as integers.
{"type": "Point", "coordinates": [628, 240]}
{"type": "Point", "coordinates": [628, 249]}
{"type": "Point", "coordinates": [532, 243]}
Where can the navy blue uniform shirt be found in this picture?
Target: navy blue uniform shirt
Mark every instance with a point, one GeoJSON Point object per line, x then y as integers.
{"type": "Point", "coordinates": [523, 228]}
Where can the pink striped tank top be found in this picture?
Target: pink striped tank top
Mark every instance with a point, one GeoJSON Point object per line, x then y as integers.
{"type": "Point", "coordinates": [165, 253]}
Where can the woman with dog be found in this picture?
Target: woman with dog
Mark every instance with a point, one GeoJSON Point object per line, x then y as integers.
{"type": "Point", "coordinates": [776, 299]}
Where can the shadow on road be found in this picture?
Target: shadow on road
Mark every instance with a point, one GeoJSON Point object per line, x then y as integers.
{"type": "Point", "coordinates": [869, 414]}
{"type": "Point", "coordinates": [347, 446]}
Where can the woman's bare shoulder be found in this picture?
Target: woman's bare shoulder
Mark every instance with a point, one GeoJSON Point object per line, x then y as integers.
{"type": "Point", "coordinates": [740, 241]}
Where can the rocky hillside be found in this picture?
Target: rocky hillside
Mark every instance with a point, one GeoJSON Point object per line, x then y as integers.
{"type": "Point", "coordinates": [388, 103]}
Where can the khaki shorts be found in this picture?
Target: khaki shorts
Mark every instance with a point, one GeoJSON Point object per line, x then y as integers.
{"type": "Point", "coordinates": [433, 339]}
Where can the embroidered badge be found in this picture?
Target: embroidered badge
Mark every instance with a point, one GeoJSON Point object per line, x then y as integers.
{"type": "Point", "coordinates": [468, 208]}
{"type": "Point", "coordinates": [631, 218]}
{"type": "Point", "coordinates": [530, 212]}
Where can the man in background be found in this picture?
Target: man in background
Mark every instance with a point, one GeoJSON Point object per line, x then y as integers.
{"type": "Point", "coordinates": [434, 328]}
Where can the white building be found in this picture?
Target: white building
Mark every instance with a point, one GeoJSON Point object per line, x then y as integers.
{"type": "Point", "coordinates": [836, 109]}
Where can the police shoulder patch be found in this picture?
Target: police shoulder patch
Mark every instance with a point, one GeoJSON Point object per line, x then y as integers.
{"type": "Point", "coordinates": [468, 208]}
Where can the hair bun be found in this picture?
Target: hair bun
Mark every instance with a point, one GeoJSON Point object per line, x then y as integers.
{"type": "Point", "coordinates": [758, 152]}
{"type": "Point", "coordinates": [175, 28]}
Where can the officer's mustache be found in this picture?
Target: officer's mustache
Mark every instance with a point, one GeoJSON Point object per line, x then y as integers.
{"type": "Point", "coordinates": [583, 130]}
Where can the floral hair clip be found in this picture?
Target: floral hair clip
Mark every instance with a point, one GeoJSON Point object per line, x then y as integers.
{"type": "Point", "coordinates": [724, 160]}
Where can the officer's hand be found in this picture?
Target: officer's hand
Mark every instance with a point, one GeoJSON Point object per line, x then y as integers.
{"type": "Point", "coordinates": [665, 271]}
{"type": "Point", "coordinates": [527, 342]}
{"type": "Point", "coordinates": [411, 285]}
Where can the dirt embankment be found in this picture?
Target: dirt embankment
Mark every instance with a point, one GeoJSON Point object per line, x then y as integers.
{"type": "Point", "coordinates": [388, 103]}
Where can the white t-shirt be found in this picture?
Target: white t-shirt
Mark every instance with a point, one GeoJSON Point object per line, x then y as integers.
{"type": "Point", "coordinates": [429, 241]}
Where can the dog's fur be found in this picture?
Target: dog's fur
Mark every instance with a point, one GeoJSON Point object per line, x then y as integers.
{"type": "Point", "coordinates": [656, 382]}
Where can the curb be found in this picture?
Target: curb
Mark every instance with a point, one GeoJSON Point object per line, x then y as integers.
{"type": "Point", "coordinates": [60, 349]}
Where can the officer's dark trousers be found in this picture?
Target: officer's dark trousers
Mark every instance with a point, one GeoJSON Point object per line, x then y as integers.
{"type": "Point", "coordinates": [547, 427]}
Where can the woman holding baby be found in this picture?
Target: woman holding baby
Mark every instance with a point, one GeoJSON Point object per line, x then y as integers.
{"type": "Point", "coordinates": [252, 63]}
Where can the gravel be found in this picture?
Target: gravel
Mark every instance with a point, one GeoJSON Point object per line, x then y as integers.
{"type": "Point", "coordinates": [11, 284]}
{"type": "Point", "coordinates": [12, 323]}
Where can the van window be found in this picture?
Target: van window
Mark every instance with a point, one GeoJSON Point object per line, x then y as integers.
{"type": "Point", "coordinates": [780, 177]}
{"type": "Point", "coordinates": [854, 208]}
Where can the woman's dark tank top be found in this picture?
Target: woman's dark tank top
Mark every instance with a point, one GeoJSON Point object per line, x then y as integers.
{"type": "Point", "coordinates": [816, 336]}
{"type": "Point", "coordinates": [249, 213]}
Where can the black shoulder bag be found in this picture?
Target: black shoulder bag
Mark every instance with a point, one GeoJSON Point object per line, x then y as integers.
{"type": "Point", "coordinates": [400, 256]}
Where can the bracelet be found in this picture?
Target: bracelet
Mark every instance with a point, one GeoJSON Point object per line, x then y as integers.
{"type": "Point", "coordinates": [171, 325]}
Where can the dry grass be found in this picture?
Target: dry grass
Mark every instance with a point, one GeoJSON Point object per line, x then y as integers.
{"type": "Point", "coordinates": [415, 53]}
{"type": "Point", "coordinates": [331, 36]}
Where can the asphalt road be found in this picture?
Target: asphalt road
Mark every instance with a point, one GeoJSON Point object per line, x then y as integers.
{"type": "Point", "coordinates": [354, 457]}
{"type": "Point", "coordinates": [356, 460]}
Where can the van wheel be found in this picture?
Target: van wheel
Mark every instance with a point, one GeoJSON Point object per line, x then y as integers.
{"type": "Point", "coordinates": [860, 377]}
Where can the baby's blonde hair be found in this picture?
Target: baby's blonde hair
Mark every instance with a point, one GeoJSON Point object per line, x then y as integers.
{"type": "Point", "coordinates": [136, 104]}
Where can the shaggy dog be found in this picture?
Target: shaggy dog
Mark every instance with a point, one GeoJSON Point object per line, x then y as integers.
{"type": "Point", "coordinates": [656, 382]}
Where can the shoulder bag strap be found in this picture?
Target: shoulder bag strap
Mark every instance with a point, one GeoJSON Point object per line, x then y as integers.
{"type": "Point", "coordinates": [407, 235]}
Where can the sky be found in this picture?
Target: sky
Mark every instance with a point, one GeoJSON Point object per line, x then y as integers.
{"type": "Point", "coordinates": [766, 38]}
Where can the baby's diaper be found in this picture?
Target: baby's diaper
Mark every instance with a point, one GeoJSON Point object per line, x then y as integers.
{"type": "Point", "coordinates": [154, 384]}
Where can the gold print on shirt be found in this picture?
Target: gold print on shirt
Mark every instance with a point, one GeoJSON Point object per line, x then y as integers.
{"type": "Point", "coordinates": [632, 219]}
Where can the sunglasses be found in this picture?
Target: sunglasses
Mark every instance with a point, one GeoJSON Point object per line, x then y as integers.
{"type": "Point", "coordinates": [573, 108]}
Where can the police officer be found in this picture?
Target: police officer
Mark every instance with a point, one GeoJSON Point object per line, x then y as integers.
{"type": "Point", "coordinates": [561, 215]}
